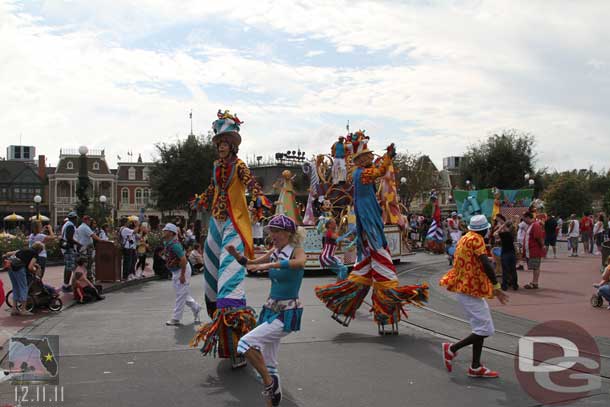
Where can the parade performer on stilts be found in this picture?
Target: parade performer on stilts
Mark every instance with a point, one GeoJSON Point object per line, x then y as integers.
{"type": "Point", "coordinates": [283, 310]}
{"type": "Point", "coordinates": [374, 267]}
{"type": "Point", "coordinates": [473, 279]}
{"type": "Point", "coordinates": [327, 258]}
{"type": "Point", "coordinates": [229, 225]}
{"type": "Point", "coordinates": [435, 236]}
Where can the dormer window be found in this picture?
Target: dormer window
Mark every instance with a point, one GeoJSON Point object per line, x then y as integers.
{"type": "Point", "coordinates": [96, 165]}
{"type": "Point", "coordinates": [132, 174]}
{"type": "Point", "coordinates": [70, 165]}
{"type": "Point", "coordinates": [145, 174]}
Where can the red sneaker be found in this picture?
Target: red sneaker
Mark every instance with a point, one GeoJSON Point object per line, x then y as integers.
{"type": "Point", "coordinates": [483, 372]}
{"type": "Point", "coordinates": [448, 356]}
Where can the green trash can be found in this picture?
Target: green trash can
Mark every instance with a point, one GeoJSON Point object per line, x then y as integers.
{"type": "Point", "coordinates": [605, 253]}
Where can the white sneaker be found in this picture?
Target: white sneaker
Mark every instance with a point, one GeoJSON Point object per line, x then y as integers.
{"type": "Point", "coordinates": [173, 322]}
{"type": "Point", "coordinates": [196, 316]}
{"type": "Point", "coordinates": [130, 277]}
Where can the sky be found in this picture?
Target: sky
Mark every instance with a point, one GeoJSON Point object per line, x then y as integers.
{"type": "Point", "coordinates": [434, 77]}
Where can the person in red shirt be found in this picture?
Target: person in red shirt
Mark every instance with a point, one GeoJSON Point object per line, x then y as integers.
{"type": "Point", "coordinates": [533, 247]}
{"type": "Point", "coordinates": [586, 229]}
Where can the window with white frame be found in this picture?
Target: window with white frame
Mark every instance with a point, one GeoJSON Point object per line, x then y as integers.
{"type": "Point", "coordinates": [96, 165]}
{"type": "Point", "coordinates": [145, 173]}
{"type": "Point", "coordinates": [131, 173]}
{"type": "Point", "coordinates": [70, 165]}
{"type": "Point", "coordinates": [139, 198]}
{"type": "Point", "coordinates": [125, 196]}
{"type": "Point", "coordinates": [146, 197]}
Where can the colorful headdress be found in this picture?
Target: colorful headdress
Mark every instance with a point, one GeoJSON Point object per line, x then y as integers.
{"type": "Point", "coordinates": [226, 128]}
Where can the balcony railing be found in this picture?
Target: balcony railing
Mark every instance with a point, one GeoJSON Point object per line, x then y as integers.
{"type": "Point", "coordinates": [65, 200]}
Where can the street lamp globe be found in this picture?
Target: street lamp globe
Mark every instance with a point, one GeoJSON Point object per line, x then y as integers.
{"type": "Point", "coordinates": [532, 182]}
{"type": "Point", "coordinates": [103, 199]}
{"type": "Point", "coordinates": [467, 182]}
{"type": "Point", "coordinates": [403, 180]}
{"type": "Point", "coordinates": [526, 176]}
{"type": "Point", "coordinates": [37, 199]}
{"type": "Point", "coordinates": [83, 150]}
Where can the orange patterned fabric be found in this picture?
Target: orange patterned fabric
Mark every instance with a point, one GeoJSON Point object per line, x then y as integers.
{"type": "Point", "coordinates": [467, 275]}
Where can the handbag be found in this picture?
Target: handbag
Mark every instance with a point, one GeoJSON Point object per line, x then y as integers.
{"type": "Point", "coordinates": [15, 262]}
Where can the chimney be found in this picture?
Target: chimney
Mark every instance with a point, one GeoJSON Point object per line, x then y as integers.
{"type": "Point", "coordinates": [42, 167]}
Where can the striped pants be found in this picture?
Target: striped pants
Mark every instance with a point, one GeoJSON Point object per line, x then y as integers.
{"type": "Point", "coordinates": [223, 275]}
{"type": "Point", "coordinates": [328, 260]}
{"type": "Point", "coordinates": [375, 265]}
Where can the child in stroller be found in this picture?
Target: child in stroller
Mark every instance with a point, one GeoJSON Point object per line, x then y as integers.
{"type": "Point", "coordinates": [603, 289]}
{"type": "Point", "coordinates": [39, 295]}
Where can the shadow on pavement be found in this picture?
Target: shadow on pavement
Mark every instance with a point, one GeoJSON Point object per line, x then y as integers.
{"type": "Point", "coordinates": [420, 348]}
{"type": "Point", "coordinates": [241, 384]}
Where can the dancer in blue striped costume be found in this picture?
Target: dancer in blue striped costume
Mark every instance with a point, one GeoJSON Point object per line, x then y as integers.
{"type": "Point", "coordinates": [283, 310]}
{"type": "Point", "coordinates": [229, 226]}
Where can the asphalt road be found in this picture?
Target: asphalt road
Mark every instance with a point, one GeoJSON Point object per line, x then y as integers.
{"type": "Point", "coordinates": [120, 353]}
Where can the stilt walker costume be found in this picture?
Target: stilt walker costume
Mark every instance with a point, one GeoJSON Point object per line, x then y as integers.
{"type": "Point", "coordinates": [229, 225]}
{"type": "Point", "coordinates": [374, 265]}
{"type": "Point", "coordinates": [283, 310]}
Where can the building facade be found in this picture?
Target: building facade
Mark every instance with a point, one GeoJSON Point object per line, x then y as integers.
{"type": "Point", "coordinates": [133, 189]}
{"type": "Point", "coordinates": [64, 180]}
{"type": "Point", "coordinates": [20, 182]}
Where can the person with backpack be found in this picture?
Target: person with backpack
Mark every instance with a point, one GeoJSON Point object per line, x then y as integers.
{"type": "Point", "coordinates": [128, 243]}
{"type": "Point", "coordinates": [69, 247]}
{"type": "Point", "coordinates": [22, 262]}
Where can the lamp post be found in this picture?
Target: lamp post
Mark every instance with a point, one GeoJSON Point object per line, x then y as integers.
{"type": "Point", "coordinates": [403, 184]}
{"type": "Point", "coordinates": [103, 202]}
{"type": "Point", "coordinates": [37, 201]}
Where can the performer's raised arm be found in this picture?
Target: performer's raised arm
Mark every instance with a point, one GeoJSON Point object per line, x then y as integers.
{"type": "Point", "coordinates": [370, 174]}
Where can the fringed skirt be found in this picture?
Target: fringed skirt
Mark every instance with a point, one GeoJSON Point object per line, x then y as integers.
{"type": "Point", "coordinates": [220, 336]}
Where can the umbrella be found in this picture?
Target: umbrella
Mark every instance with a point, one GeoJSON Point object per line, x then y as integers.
{"type": "Point", "coordinates": [133, 218]}
{"type": "Point", "coordinates": [13, 217]}
{"type": "Point", "coordinates": [6, 235]}
{"type": "Point", "coordinates": [41, 218]}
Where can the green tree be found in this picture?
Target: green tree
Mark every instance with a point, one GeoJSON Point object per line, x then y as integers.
{"type": "Point", "coordinates": [502, 161]}
{"type": "Point", "coordinates": [568, 194]}
{"type": "Point", "coordinates": [606, 202]}
{"type": "Point", "coordinates": [420, 174]}
{"type": "Point", "coordinates": [182, 170]}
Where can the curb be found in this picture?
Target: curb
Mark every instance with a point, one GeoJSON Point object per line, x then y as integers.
{"type": "Point", "coordinates": [114, 287]}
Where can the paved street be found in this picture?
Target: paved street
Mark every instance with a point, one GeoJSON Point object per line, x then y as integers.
{"type": "Point", "coordinates": [120, 353]}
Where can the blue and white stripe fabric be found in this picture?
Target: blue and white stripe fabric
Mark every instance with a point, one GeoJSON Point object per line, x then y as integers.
{"type": "Point", "coordinates": [223, 275]}
{"type": "Point", "coordinates": [224, 126]}
{"type": "Point", "coordinates": [435, 232]}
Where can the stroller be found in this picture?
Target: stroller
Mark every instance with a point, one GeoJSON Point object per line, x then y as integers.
{"type": "Point", "coordinates": [39, 296]}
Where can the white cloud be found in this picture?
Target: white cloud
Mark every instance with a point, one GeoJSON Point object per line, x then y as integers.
{"type": "Point", "coordinates": [314, 53]}
{"type": "Point", "coordinates": [455, 73]}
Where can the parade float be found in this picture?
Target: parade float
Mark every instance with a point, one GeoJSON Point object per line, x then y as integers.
{"type": "Point", "coordinates": [330, 196]}
{"type": "Point", "coordinates": [492, 201]}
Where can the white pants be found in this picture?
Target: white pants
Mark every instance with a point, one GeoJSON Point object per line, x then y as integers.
{"type": "Point", "coordinates": [478, 314]}
{"type": "Point", "coordinates": [183, 293]}
{"type": "Point", "coordinates": [266, 338]}
{"type": "Point", "coordinates": [455, 236]}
